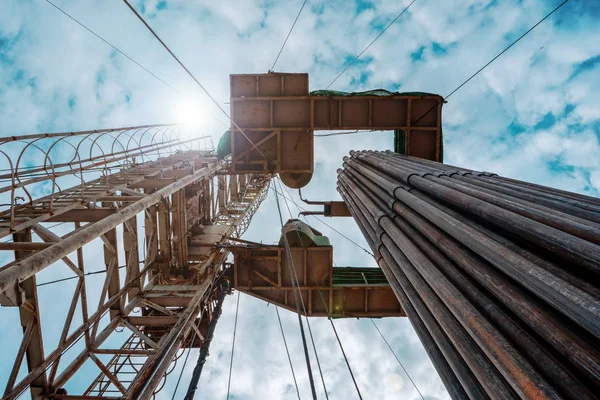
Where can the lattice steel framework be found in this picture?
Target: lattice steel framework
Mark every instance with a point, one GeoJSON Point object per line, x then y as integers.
{"type": "Point", "coordinates": [159, 285]}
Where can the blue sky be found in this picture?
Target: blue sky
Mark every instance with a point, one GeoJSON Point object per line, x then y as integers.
{"type": "Point", "coordinates": [533, 115]}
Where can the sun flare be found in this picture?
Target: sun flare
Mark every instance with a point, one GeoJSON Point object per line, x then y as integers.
{"type": "Point", "coordinates": [190, 111]}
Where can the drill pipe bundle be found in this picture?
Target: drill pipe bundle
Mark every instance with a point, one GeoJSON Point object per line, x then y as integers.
{"type": "Point", "coordinates": [500, 278]}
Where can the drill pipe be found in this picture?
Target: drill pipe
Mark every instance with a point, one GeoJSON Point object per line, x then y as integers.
{"type": "Point", "coordinates": [526, 344]}
{"type": "Point", "coordinates": [489, 377]}
{"type": "Point", "coordinates": [565, 341]}
{"type": "Point", "coordinates": [437, 356]}
{"type": "Point", "coordinates": [566, 245]}
{"type": "Point", "coordinates": [583, 308]}
{"type": "Point", "coordinates": [502, 272]}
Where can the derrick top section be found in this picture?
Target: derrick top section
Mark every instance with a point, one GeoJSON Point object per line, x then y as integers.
{"type": "Point", "coordinates": [274, 117]}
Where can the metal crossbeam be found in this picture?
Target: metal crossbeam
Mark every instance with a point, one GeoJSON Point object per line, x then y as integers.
{"type": "Point", "coordinates": [165, 294]}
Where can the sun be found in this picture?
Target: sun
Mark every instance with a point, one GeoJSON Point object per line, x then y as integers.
{"type": "Point", "coordinates": [190, 111]}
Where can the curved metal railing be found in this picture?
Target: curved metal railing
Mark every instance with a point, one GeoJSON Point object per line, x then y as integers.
{"type": "Point", "coordinates": [40, 165]}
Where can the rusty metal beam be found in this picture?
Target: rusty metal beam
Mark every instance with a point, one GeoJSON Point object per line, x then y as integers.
{"type": "Point", "coordinates": [82, 357]}
{"type": "Point", "coordinates": [107, 372]}
{"type": "Point", "coordinates": [27, 246]}
{"type": "Point", "coordinates": [48, 236]}
{"type": "Point", "coordinates": [274, 118]}
{"type": "Point", "coordinates": [111, 261]}
{"type": "Point", "coordinates": [92, 320]}
{"type": "Point", "coordinates": [66, 327]}
{"type": "Point", "coordinates": [52, 206]}
{"type": "Point", "coordinates": [140, 334]}
{"type": "Point", "coordinates": [29, 313]}
{"type": "Point", "coordinates": [178, 229]}
{"type": "Point", "coordinates": [132, 255]}
{"type": "Point", "coordinates": [27, 268]}
{"type": "Point", "coordinates": [83, 215]}
{"type": "Point", "coordinates": [20, 355]}
{"type": "Point", "coordinates": [154, 369]}
{"type": "Point", "coordinates": [83, 290]}
{"type": "Point", "coordinates": [164, 235]}
{"type": "Point", "coordinates": [257, 272]}
{"type": "Point", "coordinates": [125, 352]}
{"type": "Point", "coordinates": [162, 328]}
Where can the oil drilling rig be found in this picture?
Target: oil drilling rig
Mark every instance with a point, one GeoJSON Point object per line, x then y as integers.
{"type": "Point", "coordinates": [498, 277]}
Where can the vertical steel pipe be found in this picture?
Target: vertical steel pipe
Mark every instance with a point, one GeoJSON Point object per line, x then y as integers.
{"type": "Point", "coordinates": [438, 357]}
{"type": "Point", "coordinates": [503, 272]}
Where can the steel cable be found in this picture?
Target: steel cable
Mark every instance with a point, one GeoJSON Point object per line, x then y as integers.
{"type": "Point", "coordinates": [288, 352]}
{"type": "Point", "coordinates": [237, 307]}
{"type": "Point", "coordinates": [184, 363]}
{"type": "Point", "coordinates": [397, 359]}
{"type": "Point", "coordinates": [326, 224]}
{"type": "Point", "coordinates": [334, 329]}
{"type": "Point", "coordinates": [288, 35]}
{"type": "Point", "coordinates": [305, 313]}
{"type": "Point", "coordinates": [491, 61]}
{"type": "Point", "coordinates": [193, 77]}
{"type": "Point", "coordinates": [77, 276]}
{"type": "Point", "coordinates": [297, 294]}
{"type": "Point", "coordinates": [370, 44]}
{"type": "Point", "coordinates": [111, 45]}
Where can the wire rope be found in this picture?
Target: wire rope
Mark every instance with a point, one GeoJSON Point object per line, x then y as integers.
{"type": "Point", "coordinates": [397, 359]}
{"type": "Point", "coordinates": [297, 294]}
{"type": "Point", "coordinates": [492, 60]}
{"type": "Point", "coordinates": [370, 44]}
{"type": "Point", "coordinates": [288, 352]}
{"type": "Point", "coordinates": [304, 309]}
{"type": "Point", "coordinates": [345, 358]}
{"type": "Point", "coordinates": [332, 326]}
{"type": "Point", "coordinates": [111, 45]}
{"type": "Point", "coordinates": [184, 363]}
{"type": "Point", "coordinates": [237, 307]}
{"type": "Point", "coordinates": [288, 35]}
{"type": "Point", "coordinates": [193, 77]}
{"type": "Point", "coordinates": [65, 351]}
{"type": "Point", "coordinates": [76, 276]}
{"type": "Point", "coordinates": [325, 223]}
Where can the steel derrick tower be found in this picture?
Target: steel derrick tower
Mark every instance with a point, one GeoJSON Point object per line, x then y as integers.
{"type": "Point", "coordinates": [498, 277]}
{"type": "Point", "coordinates": [172, 281]}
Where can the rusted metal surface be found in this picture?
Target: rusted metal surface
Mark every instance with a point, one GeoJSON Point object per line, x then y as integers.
{"type": "Point", "coordinates": [412, 281]}
{"type": "Point", "coordinates": [32, 346]}
{"type": "Point", "coordinates": [441, 355]}
{"type": "Point", "coordinates": [263, 272]}
{"type": "Point", "coordinates": [163, 295]}
{"type": "Point", "coordinates": [330, 208]}
{"type": "Point", "coordinates": [515, 278]}
{"type": "Point", "coordinates": [36, 262]}
{"type": "Point", "coordinates": [274, 119]}
{"type": "Point", "coordinates": [59, 158]}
